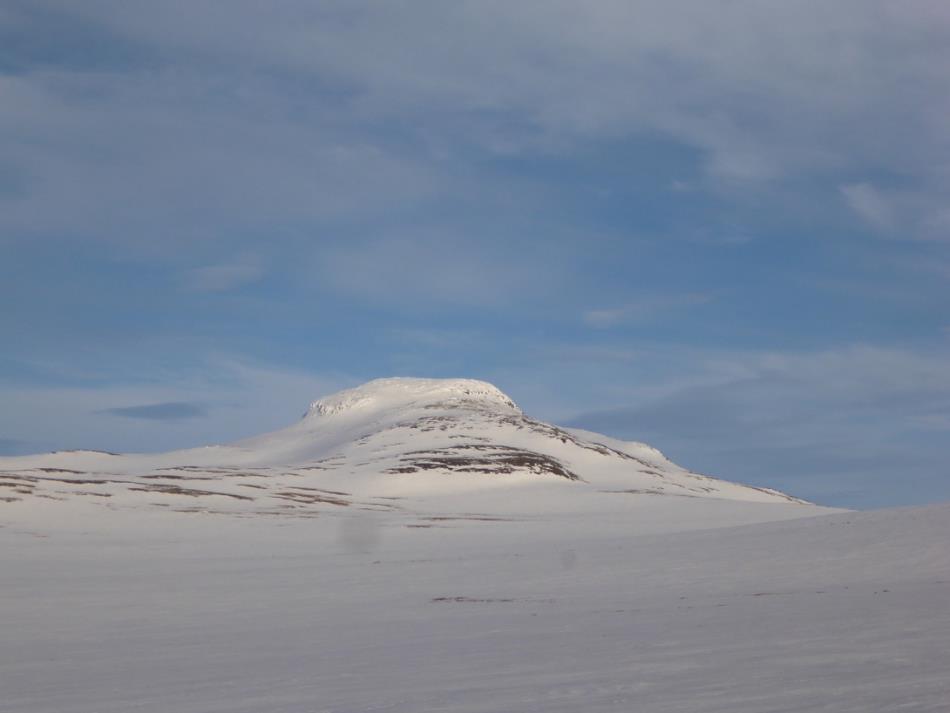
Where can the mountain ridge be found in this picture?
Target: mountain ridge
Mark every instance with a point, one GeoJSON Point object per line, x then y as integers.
{"type": "Point", "coordinates": [397, 444]}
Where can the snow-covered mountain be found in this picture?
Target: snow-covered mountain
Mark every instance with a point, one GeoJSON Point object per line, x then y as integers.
{"type": "Point", "coordinates": [416, 545]}
{"type": "Point", "coordinates": [399, 444]}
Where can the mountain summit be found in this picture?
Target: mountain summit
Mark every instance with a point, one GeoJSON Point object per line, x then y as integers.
{"type": "Point", "coordinates": [397, 444]}
{"type": "Point", "coordinates": [402, 392]}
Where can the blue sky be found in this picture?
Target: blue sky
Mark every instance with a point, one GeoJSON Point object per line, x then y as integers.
{"type": "Point", "coordinates": [721, 228]}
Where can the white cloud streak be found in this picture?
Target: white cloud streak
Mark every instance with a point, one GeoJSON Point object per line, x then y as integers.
{"type": "Point", "coordinates": [900, 213]}
{"type": "Point", "coordinates": [223, 277]}
{"type": "Point", "coordinates": [643, 310]}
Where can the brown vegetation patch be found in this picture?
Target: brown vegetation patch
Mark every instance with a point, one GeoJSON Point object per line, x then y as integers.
{"type": "Point", "coordinates": [478, 458]}
{"type": "Point", "coordinates": [178, 490]}
{"type": "Point", "coordinates": [477, 518]}
{"type": "Point", "coordinates": [310, 498]}
{"type": "Point", "coordinates": [321, 490]}
{"type": "Point", "coordinates": [179, 477]}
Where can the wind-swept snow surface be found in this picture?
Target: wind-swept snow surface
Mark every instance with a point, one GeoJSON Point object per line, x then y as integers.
{"type": "Point", "coordinates": [423, 546]}
{"type": "Point", "coordinates": [197, 613]}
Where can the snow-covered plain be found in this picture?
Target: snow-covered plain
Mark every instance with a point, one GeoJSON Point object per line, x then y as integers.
{"type": "Point", "coordinates": [422, 546]}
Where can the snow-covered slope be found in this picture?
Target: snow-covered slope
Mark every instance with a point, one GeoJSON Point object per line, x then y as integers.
{"type": "Point", "coordinates": [355, 612]}
{"type": "Point", "coordinates": [431, 446]}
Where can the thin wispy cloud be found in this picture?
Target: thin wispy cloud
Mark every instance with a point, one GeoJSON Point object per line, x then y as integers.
{"type": "Point", "coordinates": [223, 277]}
{"type": "Point", "coordinates": [871, 205]}
{"type": "Point", "coordinates": [434, 269]}
{"type": "Point", "coordinates": [644, 309]}
{"type": "Point", "coordinates": [168, 411]}
{"type": "Point", "coordinates": [900, 213]}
